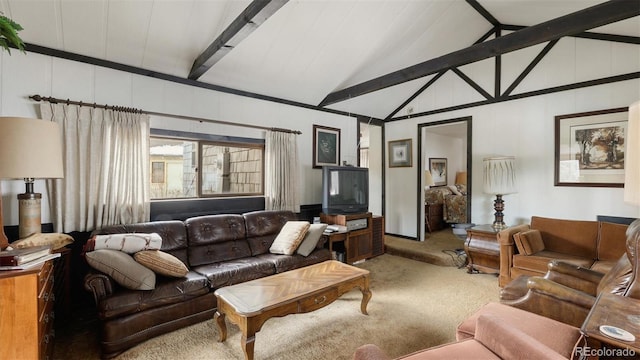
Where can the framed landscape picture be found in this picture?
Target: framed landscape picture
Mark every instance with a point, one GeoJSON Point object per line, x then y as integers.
{"type": "Point", "coordinates": [400, 153]}
{"type": "Point", "coordinates": [438, 169]}
{"type": "Point", "coordinates": [590, 148]}
{"type": "Point", "coordinates": [326, 146]}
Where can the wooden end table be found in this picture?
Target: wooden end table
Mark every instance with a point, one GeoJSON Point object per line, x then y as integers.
{"type": "Point", "coordinates": [483, 249]}
{"type": "Point", "coordinates": [250, 304]}
{"type": "Point", "coordinates": [615, 310]}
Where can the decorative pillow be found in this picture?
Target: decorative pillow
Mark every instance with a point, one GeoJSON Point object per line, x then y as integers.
{"type": "Point", "coordinates": [122, 268]}
{"type": "Point", "coordinates": [529, 242]}
{"type": "Point", "coordinates": [55, 240]}
{"type": "Point", "coordinates": [290, 237]}
{"type": "Point", "coordinates": [311, 239]}
{"type": "Point", "coordinates": [129, 243]}
{"type": "Point", "coordinates": [161, 263]}
{"type": "Point", "coordinates": [462, 189]}
{"type": "Point", "coordinates": [454, 190]}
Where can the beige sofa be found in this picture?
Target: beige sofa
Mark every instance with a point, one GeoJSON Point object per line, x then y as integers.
{"type": "Point", "coordinates": [527, 249]}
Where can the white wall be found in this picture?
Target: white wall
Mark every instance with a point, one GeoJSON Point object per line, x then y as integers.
{"type": "Point", "coordinates": [24, 75]}
{"type": "Point", "coordinates": [525, 129]}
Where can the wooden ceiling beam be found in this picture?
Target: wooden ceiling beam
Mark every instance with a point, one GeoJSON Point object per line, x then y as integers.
{"type": "Point", "coordinates": [571, 24]}
{"type": "Point", "coordinates": [253, 16]}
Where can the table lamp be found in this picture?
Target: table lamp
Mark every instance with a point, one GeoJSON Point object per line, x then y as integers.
{"type": "Point", "coordinates": [29, 149]}
{"type": "Point", "coordinates": [428, 179]}
{"type": "Point", "coordinates": [499, 180]}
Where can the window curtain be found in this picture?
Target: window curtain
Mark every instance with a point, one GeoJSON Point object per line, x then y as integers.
{"type": "Point", "coordinates": [281, 184]}
{"type": "Point", "coordinates": [106, 167]}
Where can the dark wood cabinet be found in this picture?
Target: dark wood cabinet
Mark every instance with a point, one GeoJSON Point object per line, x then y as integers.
{"type": "Point", "coordinates": [378, 235]}
{"type": "Point", "coordinates": [358, 243]}
{"type": "Point", "coordinates": [433, 217]}
{"type": "Point", "coordinates": [483, 249]}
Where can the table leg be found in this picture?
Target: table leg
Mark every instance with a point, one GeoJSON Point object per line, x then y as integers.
{"type": "Point", "coordinates": [248, 343]}
{"type": "Point", "coordinates": [366, 296]}
{"type": "Point", "coordinates": [218, 317]}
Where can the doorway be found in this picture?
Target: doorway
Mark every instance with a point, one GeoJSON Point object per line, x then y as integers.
{"type": "Point", "coordinates": [445, 142]}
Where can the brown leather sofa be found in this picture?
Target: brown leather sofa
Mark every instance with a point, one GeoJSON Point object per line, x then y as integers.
{"type": "Point", "coordinates": [219, 250]}
{"type": "Point", "coordinates": [594, 245]}
{"type": "Point", "coordinates": [567, 292]}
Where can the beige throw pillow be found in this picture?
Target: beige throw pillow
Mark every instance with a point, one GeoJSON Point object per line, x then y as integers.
{"type": "Point", "coordinates": [122, 268]}
{"type": "Point", "coordinates": [161, 263]}
{"type": "Point", "coordinates": [290, 237]}
{"type": "Point", "coordinates": [529, 242]}
{"type": "Point", "coordinates": [56, 240]}
{"type": "Point", "coordinates": [311, 239]}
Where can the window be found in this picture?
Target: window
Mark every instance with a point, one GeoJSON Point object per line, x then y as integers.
{"type": "Point", "coordinates": [202, 168]}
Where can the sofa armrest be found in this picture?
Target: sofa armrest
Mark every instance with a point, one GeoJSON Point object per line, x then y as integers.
{"type": "Point", "coordinates": [100, 286]}
{"type": "Point", "coordinates": [560, 292]}
{"type": "Point", "coordinates": [575, 277]}
{"type": "Point", "coordinates": [369, 352]}
{"type": "Point", "coordinates": [507, 250]}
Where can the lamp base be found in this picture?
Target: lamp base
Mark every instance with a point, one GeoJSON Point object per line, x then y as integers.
{"type": "Point", "coordinates": [498, 206]}
{"type": "Point", "coordinates": [29, 214]}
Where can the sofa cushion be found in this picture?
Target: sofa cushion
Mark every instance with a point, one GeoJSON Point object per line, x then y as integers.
{"type": "Point", "coordinates": [540, 260]}
{"type": "Point", "coordinates": [558, 336]}
{"type": "Point", "coordinates": [122, 268]}
{"type": "Point", "coordinates": [612, 241]}
{"type": "Point", "coordinates": [235, 271]}
{"type": "Point", "coordinates": [311, 239]}
{"type": "Point", "coordinates": [216, 238]}
{"type": "Point", "coordinates": [284, 263]}
{"type": "Point", "coordinates": [465, 349]}
{"type": "Point", "coordinates": [168, 291]}
{"type": "Point", "coordinates": [575, 237]}
{"type": "Point", "coordinates": [529, 242]}
{"type": "Point", "coordinates": [56, 240]}
{"type": "Point", "coordinates": [289, 237]}
{"type": "Point", "coordinates": [263, 227]}
{"type": "Point", "coordinates": [161, 263]}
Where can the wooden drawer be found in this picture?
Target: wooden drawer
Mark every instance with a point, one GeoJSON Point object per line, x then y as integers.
{"type": "Point", "coordinates": [318, 301]}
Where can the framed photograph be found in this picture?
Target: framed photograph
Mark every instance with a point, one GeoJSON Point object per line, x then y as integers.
{"type": "Point", "coordinates": [590, 148]}
{"type": "Point", "coordinates": [400, 153]}
{"type": "Point", "coordinates": [326, 146]}
{"type": "Point", "coordinates": [438, 169]}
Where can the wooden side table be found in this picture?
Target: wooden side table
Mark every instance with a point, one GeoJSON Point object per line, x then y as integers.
{"type": "Point", "coordinates": [433, 217]}
{"type": "Point", "coordinates": [613, 310]}
{"type": "Point", "coordinates": [483, 249]}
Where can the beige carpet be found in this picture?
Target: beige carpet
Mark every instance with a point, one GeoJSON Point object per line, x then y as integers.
{"type": "Point", "coordinates": [414, 305]}
{"type": "Point", "coordinates": [439, 248]}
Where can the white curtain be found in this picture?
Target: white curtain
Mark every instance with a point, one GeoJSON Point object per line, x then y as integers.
{"type": "Point", "coordinates": [281, 185]}
{"type": "Point", "coordinates": [106, 167]}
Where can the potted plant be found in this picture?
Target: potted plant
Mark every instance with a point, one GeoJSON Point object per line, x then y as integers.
{"type": "Point", "coordinates": [9, 34]}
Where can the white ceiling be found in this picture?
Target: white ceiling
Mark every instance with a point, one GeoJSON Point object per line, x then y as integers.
{"type": "Point", "coordinates": [306, 50]}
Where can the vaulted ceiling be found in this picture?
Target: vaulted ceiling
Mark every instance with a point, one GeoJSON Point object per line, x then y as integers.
{"type": "Point", "coordinates": [334, 55]}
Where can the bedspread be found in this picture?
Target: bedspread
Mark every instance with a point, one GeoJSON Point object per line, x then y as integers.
{"type": "Point", "coordinates": [454, 202]}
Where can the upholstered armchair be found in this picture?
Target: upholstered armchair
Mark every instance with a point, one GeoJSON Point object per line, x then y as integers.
{"type": "Point", "coordinates": [567, 292]}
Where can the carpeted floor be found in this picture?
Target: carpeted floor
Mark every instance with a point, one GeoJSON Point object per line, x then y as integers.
{"type": "Point", "coordinates": [440, 248]}
{"type": "Point", "coordinates": [414, 305]}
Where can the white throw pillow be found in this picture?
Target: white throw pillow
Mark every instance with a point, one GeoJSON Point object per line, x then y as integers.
{"type": "Point", "coordinates": [129, 243]}
{"type": "Point", "coordinates": [290, 237]}
{"type": "Point", "coordinates": [311, 239]}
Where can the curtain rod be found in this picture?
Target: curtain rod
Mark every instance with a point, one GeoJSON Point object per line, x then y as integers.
{"type": "Point", "coordinates": [133, 110]}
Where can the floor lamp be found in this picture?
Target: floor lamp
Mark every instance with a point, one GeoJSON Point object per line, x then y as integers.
{"type": "Point", "coordinates": [499, 180]}
{"type": "Point", "coordinates": [29, 149]}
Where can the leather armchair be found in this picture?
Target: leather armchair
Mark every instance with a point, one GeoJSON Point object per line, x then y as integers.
{"type": "Point", "coordinates": [567, 292]}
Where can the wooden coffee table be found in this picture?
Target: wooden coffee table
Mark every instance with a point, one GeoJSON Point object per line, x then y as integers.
{"type": "Point", "coordinates": [250, 304]}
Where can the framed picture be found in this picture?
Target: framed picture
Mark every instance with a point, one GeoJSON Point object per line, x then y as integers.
{"type": "Point", "coordinates": [326, 146]}
{"type": "Point", "coordinates": [438, 169]}
{"type": "Point", "coordinates": [400, 153]}
{"type": "Point", "coordinates": [590, 148]}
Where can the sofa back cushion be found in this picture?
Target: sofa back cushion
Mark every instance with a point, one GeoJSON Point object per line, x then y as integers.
{"type": "Point", "coordinates": [172, 232]}
{"type": "Point", "coordinates": [612, 241]}
{"type": "Point", "coordinates": [529, 242]}
{"type": "Point", "coordinates": [574, 237]}
{"type": "Point", "coordinates": [263, 227]}
{"type": "Point", "coordinates": [216, 238]}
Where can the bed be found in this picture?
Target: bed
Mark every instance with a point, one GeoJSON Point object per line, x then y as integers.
{"type": "Point", "coordinates": [453, 199]}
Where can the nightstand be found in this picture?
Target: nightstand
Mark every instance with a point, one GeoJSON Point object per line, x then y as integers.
{"type": "Point", "coordinates": [433, 217]}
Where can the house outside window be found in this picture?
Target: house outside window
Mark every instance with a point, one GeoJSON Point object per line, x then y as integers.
{"type": "Point", "coordinates": [197, 168]}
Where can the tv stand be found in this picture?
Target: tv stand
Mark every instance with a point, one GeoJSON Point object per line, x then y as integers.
{"type": "Point", "coordinates": [358, 243]}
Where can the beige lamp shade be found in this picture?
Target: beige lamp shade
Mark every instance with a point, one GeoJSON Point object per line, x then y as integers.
{"type": "Point", "coordinates": [428, 179]}
{"type": "Point", "coordinates": [500, 175]}
{"type": "Point", "coordinates": [632, 157]}
{"type": "Point", "coordinates": [30, 148]}
{"type": "Point", "coordinates": [461, 177]}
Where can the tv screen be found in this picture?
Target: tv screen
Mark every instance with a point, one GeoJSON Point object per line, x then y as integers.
{"type": "Point", "coordinates": [345, 190]}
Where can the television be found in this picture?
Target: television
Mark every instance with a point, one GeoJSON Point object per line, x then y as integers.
{"type": "Point", "coordinates": [345, 190]}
